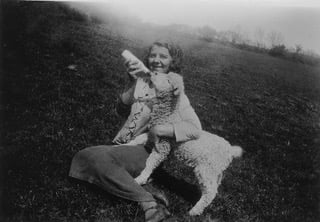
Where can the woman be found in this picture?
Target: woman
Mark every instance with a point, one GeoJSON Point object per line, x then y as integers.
{"type": "Point", "coordinates": [114, 167]}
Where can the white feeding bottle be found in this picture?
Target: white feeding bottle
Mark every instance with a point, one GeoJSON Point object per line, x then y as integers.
{"type": "Point", "coordinates": [141, 89]}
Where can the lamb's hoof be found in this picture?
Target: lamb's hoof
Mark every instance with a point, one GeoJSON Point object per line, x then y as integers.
{"type": "Point", "coordinates": [194, 212]}
{"type": "Point", "coordinates": [140, 180]}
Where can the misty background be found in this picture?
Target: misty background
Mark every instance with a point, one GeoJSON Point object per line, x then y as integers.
{"type": "Point", "coordinates": [264, 22]}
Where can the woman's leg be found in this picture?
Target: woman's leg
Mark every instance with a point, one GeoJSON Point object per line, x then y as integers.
{"type": "Point", "coordinates": [113, 168]}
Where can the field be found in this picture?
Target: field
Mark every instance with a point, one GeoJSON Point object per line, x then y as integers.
{"type": "Point", "coordinates": [61, 74]}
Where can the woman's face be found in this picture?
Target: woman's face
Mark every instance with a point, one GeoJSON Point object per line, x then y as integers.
{"type": "Point", "coordinates": [159, 59]}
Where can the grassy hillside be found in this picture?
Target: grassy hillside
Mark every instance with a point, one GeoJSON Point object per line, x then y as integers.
{"type": "Point", "coordinates": [61, 76]}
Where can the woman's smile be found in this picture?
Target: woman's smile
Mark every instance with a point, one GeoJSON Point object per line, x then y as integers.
{"type": "Point", "coordinates": [159, 59]}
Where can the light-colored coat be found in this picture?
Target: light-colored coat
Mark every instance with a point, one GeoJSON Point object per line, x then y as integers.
{"type": "Point", "coordinates": [139, 117]}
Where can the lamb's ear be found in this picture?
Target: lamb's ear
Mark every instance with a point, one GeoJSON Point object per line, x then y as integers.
{"type": "Point", "coordinates": [177, 83]}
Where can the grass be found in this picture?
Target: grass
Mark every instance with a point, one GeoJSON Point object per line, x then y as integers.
{"type": "Point", "coordinates": [50, 110]}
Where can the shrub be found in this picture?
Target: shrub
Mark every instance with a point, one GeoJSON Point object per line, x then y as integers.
{"type": "Point", "coordinates": [278, 50]}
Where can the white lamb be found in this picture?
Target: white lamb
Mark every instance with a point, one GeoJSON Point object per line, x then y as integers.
{"type": "Point", "coordinates": [209, 155]}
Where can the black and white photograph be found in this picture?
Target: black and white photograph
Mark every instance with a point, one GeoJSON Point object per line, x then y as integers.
{"type": "Point", "coordinates": [160, 110]}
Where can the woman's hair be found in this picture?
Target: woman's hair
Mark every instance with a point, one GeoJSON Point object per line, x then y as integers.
{"type": "Point", "coordinates": [174, 51]}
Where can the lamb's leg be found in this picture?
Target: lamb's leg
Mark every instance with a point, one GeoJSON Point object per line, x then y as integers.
{"type": "Point", "coordinates": [152, 162]}
{"type": "Point", "coordinates": [208, 182]}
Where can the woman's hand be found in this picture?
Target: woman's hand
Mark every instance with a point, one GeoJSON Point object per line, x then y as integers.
{"type": "Point", "coordinates": [157, 131]}
{"type": "Point", "coordinates": [134, 67]}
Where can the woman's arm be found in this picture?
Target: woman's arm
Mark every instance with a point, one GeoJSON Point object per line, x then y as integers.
{"type": "Point", "coordinates": [125, 100]}
{"type": "Point", "coordinates": [127, 95]}
{"type": "Point", "coordinates": [182, 131]}
{"type": "Point", "coordinates": [133, 67]}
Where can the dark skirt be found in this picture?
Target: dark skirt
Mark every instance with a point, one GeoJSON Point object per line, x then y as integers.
{"type": "Point", "coordinates": [113, 168]}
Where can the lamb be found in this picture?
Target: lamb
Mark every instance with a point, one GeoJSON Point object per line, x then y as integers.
{"type": "Point", "coordinates": [209, 155]}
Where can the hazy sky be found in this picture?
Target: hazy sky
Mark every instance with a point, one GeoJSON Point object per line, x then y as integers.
{"type": "Point", "coordinates": [297, 20]}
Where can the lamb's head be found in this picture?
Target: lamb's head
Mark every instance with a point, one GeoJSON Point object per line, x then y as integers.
{"type": "Point", "coordinates": [167, 83]}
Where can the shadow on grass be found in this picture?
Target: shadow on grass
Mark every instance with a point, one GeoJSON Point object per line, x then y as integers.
{"type": "Point", "coordinates": [187, 191]}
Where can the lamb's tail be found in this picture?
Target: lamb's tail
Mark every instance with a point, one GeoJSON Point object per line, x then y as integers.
{"type": "Point", "coordinates": [236, 151]}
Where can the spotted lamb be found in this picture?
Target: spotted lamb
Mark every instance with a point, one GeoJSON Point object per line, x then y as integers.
{"type": "Point", "coordinates": [209, 155]}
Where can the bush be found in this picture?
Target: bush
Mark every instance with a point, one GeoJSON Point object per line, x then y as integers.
{"type": "Point", "coordinates": [305, 58]}
{"type": "Point", "coordinates": [278, 50]}
{"type": "Point", "coordinates": [251, 48]}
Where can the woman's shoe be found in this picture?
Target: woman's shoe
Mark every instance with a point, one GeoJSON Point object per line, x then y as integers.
{"type": "Point", "coordinates": [160, 213]}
